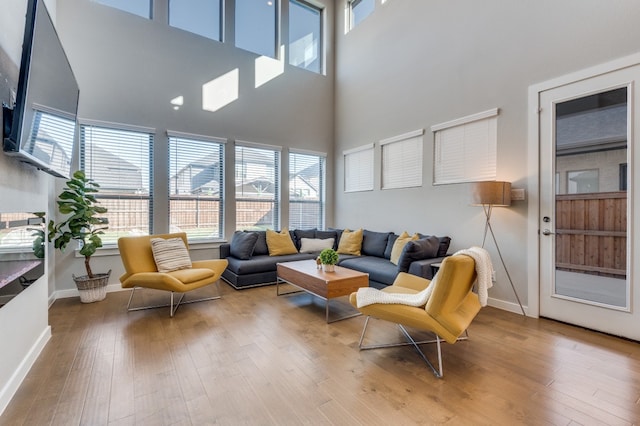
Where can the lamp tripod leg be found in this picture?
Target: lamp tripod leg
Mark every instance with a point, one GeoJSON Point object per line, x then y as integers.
{"type": "Point", "coordinates": [487, 227]}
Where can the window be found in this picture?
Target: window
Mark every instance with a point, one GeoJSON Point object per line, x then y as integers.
{"type": "Point", "coordinates": [137, 7]}
{"type": "Point", "coordinates": [196, 186]}
{"type": "Point", "coordinates": [582, 182]}
{"type": "Point", "coordinates": [360, 9]}
{"type": "Point", "coordinates": [465, 149]}
{"type": "Point", "coordinates": [402, 161]}
{"type": "Point", "coordinates": [256, 26]}
{"type": "Point", "coordinates": [201, 17]}
{"type": "Point", "coordinates": [622, 177]}
{"type": "Point", "coordinates": [306, 190]}
{"type": "Point", "coordinates": [257, 180]}
{"type": "Point", "coordinates": [119, 160]}
{"type": "Point", "coordinates": [358, 169]}
{"type": "Point", "coordinates": [305, 36]}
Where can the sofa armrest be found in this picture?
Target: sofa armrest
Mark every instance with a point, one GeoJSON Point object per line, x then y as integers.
{"type": "Point", "coordinates": [225, 250]}
{"type": "Point", "coordinates": [423, 268]}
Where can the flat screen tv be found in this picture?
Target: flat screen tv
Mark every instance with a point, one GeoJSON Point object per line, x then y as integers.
{"type": "Point", "coordinates": [41, 128]}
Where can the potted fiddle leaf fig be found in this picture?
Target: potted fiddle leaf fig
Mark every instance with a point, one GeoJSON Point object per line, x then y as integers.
{"type": "Point", "coordinates": [84, 225]}
{"type": "Point", "coordinates": [328, 259]}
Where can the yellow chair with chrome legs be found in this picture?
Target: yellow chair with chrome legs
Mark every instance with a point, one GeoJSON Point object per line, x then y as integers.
{"type": "Point", "coordinates": [162, 262]}
{"type": "Point", "coordinates": [448, 312]}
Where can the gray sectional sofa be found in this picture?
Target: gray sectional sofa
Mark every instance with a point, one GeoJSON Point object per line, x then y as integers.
{"type": "Point", "coordinates": [250, 264]}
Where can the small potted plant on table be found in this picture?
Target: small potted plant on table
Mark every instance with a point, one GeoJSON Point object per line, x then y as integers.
{"type": "Point", "coordinates": [328, 259]}
{"type": "Point", "coordinates": [83, 225]}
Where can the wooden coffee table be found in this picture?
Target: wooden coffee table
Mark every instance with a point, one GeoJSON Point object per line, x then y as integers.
{"type": "Point", "coordinates": [305, 275]}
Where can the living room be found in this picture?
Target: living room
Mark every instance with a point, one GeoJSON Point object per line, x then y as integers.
{"type": "Point", "coordinates": [409, 65]}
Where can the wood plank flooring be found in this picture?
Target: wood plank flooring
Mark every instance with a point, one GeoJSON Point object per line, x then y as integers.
{"type": "Point", "coordinates": [252, 358]}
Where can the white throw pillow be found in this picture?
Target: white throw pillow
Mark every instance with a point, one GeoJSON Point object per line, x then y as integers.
{"type": "Point", "coordinates": [170, 254]}
{"type": "Point", "coordinates": [312, 245]}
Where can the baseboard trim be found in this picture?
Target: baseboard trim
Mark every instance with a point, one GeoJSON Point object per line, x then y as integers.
{"type": "Point", "coordinates": [507, 306]}
{"type": "Point", "coordinates": [19, 375]}
{"type": "Point", "coordinates": [64, 294]}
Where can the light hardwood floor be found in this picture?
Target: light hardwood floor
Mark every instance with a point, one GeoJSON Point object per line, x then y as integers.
{"type": "Point", "coordinates": [257, 359]}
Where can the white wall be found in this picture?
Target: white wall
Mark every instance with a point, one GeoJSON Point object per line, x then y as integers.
{"type": "Point", "coordinates": [24, 326]}
{"type": "Point", "coordinates": [413, 64]}
{"type": "Point", "coordinates": [129, 68]}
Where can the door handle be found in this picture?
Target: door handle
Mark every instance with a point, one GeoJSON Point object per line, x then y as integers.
{"type": "Point", "coordinates": [547, 232]}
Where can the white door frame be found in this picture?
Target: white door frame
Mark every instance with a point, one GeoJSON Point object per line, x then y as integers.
{"type": "Point", "coordinates": [533, 154]}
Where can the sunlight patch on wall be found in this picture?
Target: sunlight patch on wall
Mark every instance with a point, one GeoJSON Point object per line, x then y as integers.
{"type": "Point", "coordinates": [177, 102]}
{"type": "Point", "coordinates": [267, 69]}
{"type": "Point", "coordinates": [220, 91]}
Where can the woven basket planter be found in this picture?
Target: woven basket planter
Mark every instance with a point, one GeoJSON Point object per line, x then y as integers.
{"type": "Point", "coordinates": [92, 289]}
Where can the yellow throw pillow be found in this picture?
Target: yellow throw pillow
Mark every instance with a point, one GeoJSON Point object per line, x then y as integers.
{"type": "Point", "coordinates": [399, 244]}
{"type": "Point", "coordinates": [350, 242]}
{"type": "Point", "coordinates": [280, 243]}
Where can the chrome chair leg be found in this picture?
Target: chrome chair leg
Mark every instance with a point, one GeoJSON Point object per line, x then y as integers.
{"type": "Point", "coordinates": [411, 342]}
{"type": "Point", "coordinates": [172, 308]}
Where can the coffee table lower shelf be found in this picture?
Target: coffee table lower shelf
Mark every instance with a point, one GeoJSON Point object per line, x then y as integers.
{"type": "Point", "coordinates": [324, 285]}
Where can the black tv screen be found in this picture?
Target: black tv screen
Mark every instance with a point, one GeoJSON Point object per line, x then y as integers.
{"type": "Point", "coordinates": [41, 128]}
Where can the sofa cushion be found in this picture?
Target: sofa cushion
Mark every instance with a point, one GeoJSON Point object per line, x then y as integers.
{"type": "Point", "coordinates": [378, 268]}
{"type": "Point", "coordinates": [444, 244]}
{"type": "Point", "coordinates": [315, 245]}
{"type": "Point", "coordinates": [350, 242]}
{"type": "Point", "coordinates": [398, 246]}
{"type": "Point", "coordinates": [170, 254]}
{"type": "Point", "coordinates": [261, 243]}
{"type": "Point", "coordinates": [338, 235]}
{"type": "Point", "coordinates": [262, 263]}
{"type": "Point", "coordinates": [303, 233]}
{"type": "Point", "coordinates": [423, 248]}
{"type": "Point", "coordinates": [243, 244]}
{"type": "Point", "coordinates": [374, 243]}
{"type": "Point", "coordinates": [323, 235]}
{"type": "Point", "coordinates": [280, 243]}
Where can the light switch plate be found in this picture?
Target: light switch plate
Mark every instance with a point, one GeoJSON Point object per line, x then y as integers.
{"type": "Point", "coordinates": [517, 194]}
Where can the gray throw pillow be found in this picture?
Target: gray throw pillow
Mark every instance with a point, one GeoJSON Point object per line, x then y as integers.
{"type": "Point", "coordinates": [424, 248]}
{"type": "Point", "coordinates": [392, 239]}
{"type": "Point", "coordinates": [261, 247]}
{"type": "Point", "coordinates": [444, 244]}
{"type": "Point", "coordinates": [242, 244]}
{"type": "Point", "coordinates": [374, 243]}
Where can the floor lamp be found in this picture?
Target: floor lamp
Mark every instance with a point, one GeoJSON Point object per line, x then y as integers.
{"type": "Point", "coordinates": [491, 194]}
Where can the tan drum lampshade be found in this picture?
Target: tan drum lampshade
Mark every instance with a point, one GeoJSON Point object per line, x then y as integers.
{"type": "Point", "coordinates": [494, 193]}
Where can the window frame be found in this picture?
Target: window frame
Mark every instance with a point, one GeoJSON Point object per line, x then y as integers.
{"type": "Point", "coordinates": [178, 137]}
{"type": "Point", "coordinates": [220, 35]}
{"type": "Point", "coordinates": [321, 28]}
{"type": "Point", "coordinates": [276, 33]}
{"type": "Point", "coordinates": [364, 157]}
{"type": "Point", "coordinates": [277, 192]}
{"type": "Point", "coordinates": [395, 165]}
{"type": "Point", "coordinates": [320, 222]}
{"type": "Point", "coordinates": [118, 127]}
{"type": "Point", "coordinates": [453, 164]}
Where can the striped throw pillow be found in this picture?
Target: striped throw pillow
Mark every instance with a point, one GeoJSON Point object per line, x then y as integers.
{"type": "Point", "coordinates": [170, 254]}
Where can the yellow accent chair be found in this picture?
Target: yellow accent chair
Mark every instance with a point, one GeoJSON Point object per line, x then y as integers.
{"type": "Point", "coordinates": [141, 271]}
{"type": "Point", "coordinates": [448, 312]}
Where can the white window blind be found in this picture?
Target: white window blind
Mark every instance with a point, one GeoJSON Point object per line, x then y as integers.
{"type": "Point", "coordinates": [358, 169]}
{"type": "Point", "coordinates": [257, 180]}
{"type": "Point", "coordinates": [402, 160]}
{"type": "Point", "coordinates": [465, 149]}
{"type": "Point", "coordinates": [196, 185]}
{"type": "Point", "coordinates": [119, 161]}
{"type": "Point", "coordinates": [306, 190]}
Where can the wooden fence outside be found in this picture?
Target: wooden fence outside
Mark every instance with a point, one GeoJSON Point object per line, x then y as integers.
{"type": "Point", "coordinates": [591, 233]}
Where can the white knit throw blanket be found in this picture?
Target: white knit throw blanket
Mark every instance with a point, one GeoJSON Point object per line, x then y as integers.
{"type": "Point", "coordinates": [369, 295]}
